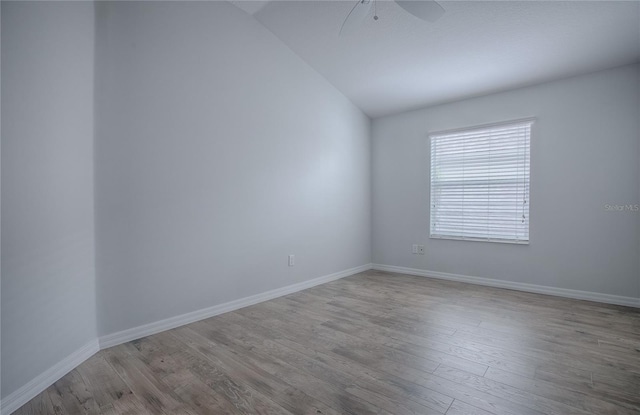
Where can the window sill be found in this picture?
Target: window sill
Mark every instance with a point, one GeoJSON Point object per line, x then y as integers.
{"type": "Point", "coordinates": [500, 241]}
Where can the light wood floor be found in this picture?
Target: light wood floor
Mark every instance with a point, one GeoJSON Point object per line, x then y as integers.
{"type": "Point", "coordinates": [373, 343]}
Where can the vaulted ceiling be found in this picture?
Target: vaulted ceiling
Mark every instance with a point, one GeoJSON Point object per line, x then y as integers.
{"type": "Point", "coordinates": [400, 62]}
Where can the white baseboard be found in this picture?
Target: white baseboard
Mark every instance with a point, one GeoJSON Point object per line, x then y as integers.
{"type": "Point", "coordinates": [519, 286]}
{"type": "Point", "coordinates": [41, 382]}
{"type": "Point", "coordinates": [173, 322]}
{"type": "Point", "coordinates": [48, 378]}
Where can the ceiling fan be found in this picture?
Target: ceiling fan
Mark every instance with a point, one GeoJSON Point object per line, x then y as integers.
{"type": "Point", "coordinates": [428, 10]}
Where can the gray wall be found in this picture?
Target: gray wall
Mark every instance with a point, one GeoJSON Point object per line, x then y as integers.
{"type": "Point", "coordinates": [585, 153]}
{"type": "Point", "coordinates": [218, 153]}
{"type": "Point", "coordinates": [48, 279]}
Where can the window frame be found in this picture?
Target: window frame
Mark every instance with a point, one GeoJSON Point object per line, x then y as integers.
{"type": "Point", "coordinates": [532, 122]}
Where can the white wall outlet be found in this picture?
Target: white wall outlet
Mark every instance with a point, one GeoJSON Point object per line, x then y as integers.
{"type": "Point", "coordinates": [414, 249]}
{"type": "Point", "coordinates": [421, 249]}
{"type": "Point", "coordinates": [292, 260]}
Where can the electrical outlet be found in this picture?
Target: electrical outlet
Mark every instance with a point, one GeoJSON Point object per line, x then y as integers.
{"type": "Point", "coordinates": [414, 249]}
{"type": "Point", "coordinates": [292, 260]}
{"type": "Point", "coordinates": [421, 249]}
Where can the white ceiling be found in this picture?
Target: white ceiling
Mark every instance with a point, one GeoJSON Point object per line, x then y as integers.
{"type": "Point", "coordinates": [400, 62]}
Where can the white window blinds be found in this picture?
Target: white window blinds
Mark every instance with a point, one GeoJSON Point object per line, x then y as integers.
{"type": "Point", "coordinates": [480, 183]}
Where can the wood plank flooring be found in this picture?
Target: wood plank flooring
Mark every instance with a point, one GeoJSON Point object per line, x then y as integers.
{"type": "Point", "coordinates": [373, 343]}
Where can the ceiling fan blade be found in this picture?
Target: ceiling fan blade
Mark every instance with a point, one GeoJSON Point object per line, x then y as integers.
{"type": "Point", "coordinates": [428, 10]}
{"type": "Point", "coordinates": [356, 16]}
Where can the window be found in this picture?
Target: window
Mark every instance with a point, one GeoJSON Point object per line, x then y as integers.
{"type": "Point", "coordinates": [480, 183]}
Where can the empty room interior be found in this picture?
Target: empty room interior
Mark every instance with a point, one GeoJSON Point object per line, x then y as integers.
{"type": "Point", "coordinates": [320, 207]}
